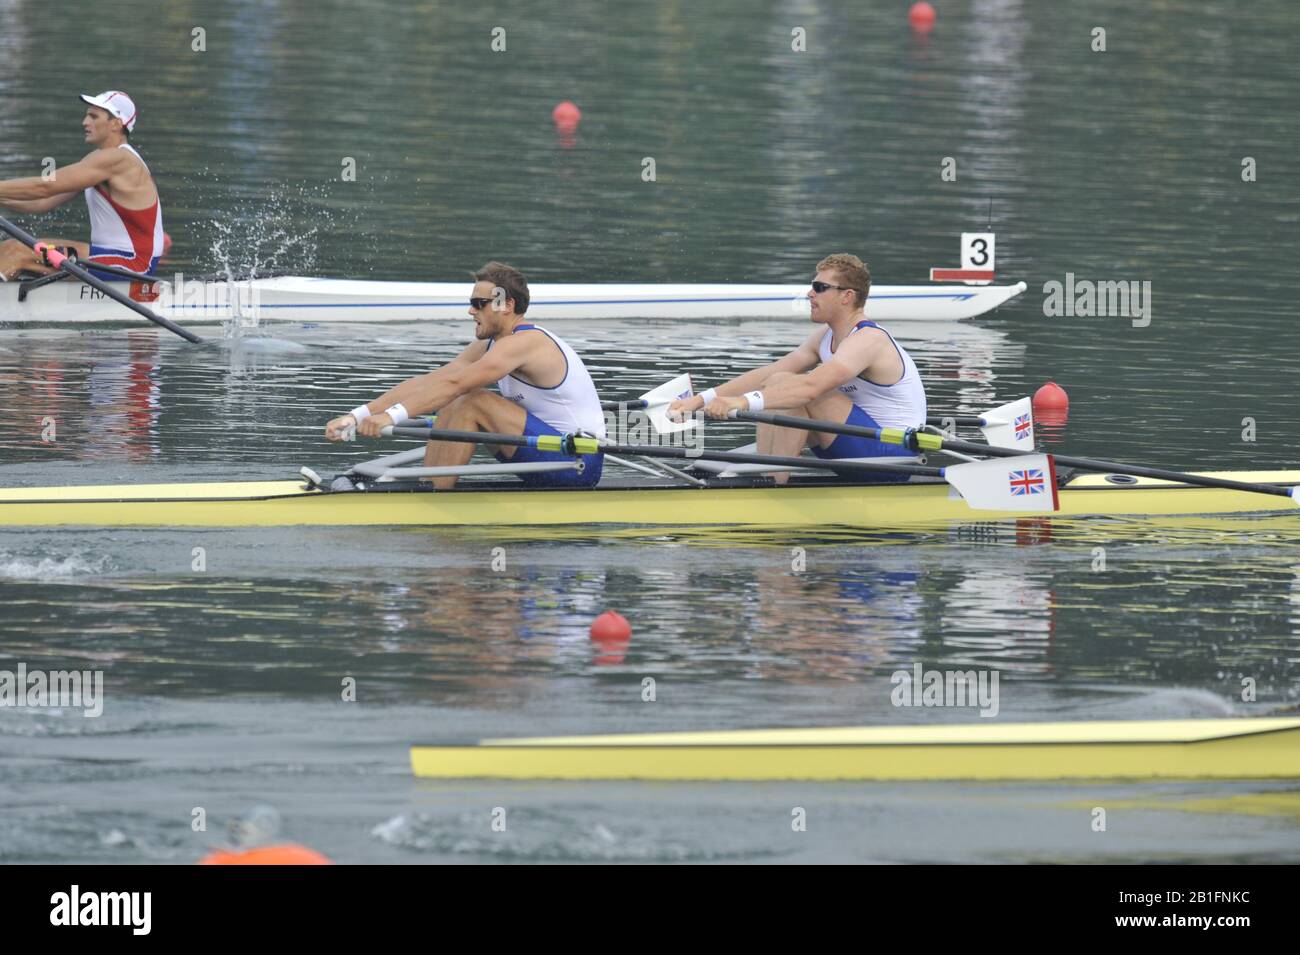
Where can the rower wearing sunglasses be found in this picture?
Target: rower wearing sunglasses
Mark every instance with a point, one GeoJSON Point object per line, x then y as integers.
{"type": "Point", "coordinates": [848, 370]}
{"type": "Point", "coordinates": [544, 389]}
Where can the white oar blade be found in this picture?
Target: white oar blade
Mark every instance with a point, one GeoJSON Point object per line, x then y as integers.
{"type": "Point", "coordinates": [1010, 425]}
{"type": "Point", "coordinates": [658, 399]}
{"type": "Point", "coordinates": [1025, 483]}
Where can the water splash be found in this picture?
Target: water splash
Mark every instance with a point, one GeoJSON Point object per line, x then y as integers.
{"type": "Point", "coordinates": [263, 235]}
{"type": "Point", "coordinates": [16, 567]}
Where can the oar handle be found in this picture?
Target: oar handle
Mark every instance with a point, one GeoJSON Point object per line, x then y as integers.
{"type": "Point", "coordinates": [68, 265]}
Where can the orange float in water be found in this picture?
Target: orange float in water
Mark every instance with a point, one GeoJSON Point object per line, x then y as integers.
{"type": "Point", "coordinates": [610, 626]}
{"type": "Point", "coordinates": [266, 855]}
{"type": "Point", "coordinates": [921, 16]}
{"type": "Point", "coordinates": [566, 116]}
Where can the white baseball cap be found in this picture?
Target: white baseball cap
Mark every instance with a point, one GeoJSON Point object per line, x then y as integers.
{"type": "Point", "coordinates": [117, 103]}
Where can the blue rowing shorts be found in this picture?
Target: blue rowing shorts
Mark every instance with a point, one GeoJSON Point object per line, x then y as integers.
{"type": "Point", "coordinates": [585, 478]}
{"type": "Point", "coordinates": [855, 446]}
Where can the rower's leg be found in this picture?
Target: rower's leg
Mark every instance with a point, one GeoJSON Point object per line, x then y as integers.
{"type": "Point", "coordinates": [782, 441]}
{"type": "Point", "coordinates": [477, 411]}
{"type": "Point", "coordinates": [832, 406]}
{"type": "Point", "coordinates": [16, 258]}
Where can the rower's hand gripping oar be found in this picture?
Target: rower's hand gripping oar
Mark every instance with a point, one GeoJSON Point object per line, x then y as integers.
{"type": "Point", "coordinates": [60, 261]}
{"type": "Point", "coordinates": [921, 441]}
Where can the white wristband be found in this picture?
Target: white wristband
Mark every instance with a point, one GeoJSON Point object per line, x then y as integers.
{"type": "Point", "coordinates": [398, 413]}
{"type": "Point", "coordinates": [755, 399]}
{"type": "Point", "coordinates": [708, 395]}
{"type": "Point", "coordinates": [360, 414]}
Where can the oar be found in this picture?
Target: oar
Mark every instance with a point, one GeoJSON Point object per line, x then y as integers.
{"type": "Point", "coordinates": [1007, 426]}
{"type": "Point", "coordinates": [1028, 484]}
{"type": "Point", "coordinates": [61, 261]}
{"type": "Point", "coordinates": [922, 441]}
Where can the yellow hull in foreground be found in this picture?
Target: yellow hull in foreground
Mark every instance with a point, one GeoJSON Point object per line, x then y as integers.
{"type": "Point", "coordinates": [284, 503]}
{"type": "Point", "coordinates": [1158, 749]}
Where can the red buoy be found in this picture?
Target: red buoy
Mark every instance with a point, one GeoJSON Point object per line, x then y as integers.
{"type": "Point", "coordinates": [1051, 397]}
{"type": "Point", "coordinates": [1051, 411]}
{"type": "Point", "coordinates": [611, 627]}
{"type": "Point", "coordinates": [266, 855]}
{"type": "Point", "coordinates": [566, 116]}
{"type": "Point", "coordinates": [921, 16]}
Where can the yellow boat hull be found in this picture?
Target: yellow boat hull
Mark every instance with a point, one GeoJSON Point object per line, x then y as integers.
{"type": "Point", "coordinates": [896, 507]}
{"type": "Point", "coordinates": [1160, 749]}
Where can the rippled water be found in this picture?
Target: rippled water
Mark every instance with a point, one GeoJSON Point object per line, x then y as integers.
{"type": "Point", "coordinates": [223, 684]}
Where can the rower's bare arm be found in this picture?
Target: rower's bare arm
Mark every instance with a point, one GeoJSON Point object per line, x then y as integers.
{"type": "Point", "coordinates": [412, 392]}
{"type": "Point", "coordinates": [494, 363]}
{"type": "Point", "coordinates": [407, 394]}
{"type": "Point", "coordinates": [855, 355]}
{"type": "Point", "coordinates": [38, 205]}
{"type": "Point", "coordinates": [99, 166]}
{"type": "Point", "coordinates": [799, 390]}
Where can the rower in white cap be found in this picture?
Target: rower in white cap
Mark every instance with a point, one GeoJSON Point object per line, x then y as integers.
{"type": "Point", "coordinates": [126, 227]}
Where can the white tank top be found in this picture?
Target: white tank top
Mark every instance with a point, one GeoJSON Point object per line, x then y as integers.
{"type": "Point", "coordinates": [570, 406]}
{"type": "Point", "coordinates": [900, 405]}
{"type": "Point", "coordinates": [135, 232]}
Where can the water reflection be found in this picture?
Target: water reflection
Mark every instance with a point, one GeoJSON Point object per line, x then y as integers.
{"type": "Point", "coordinates": [1204, 604]}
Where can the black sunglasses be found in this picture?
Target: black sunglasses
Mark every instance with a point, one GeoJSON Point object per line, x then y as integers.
{"type": "Point", "coordinates": [820, 287]}
{"type": "Point", "coordinates": [479, 303]}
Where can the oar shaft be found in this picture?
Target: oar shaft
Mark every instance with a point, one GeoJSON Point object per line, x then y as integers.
{"type": "Point", "coordinates": [465, 437]}
{"type": "Point", "coordinates": [919, 441]}
{"type": "Point", "coordinates": [1116, 467]}
{"type": "Point", "coordinates": [68, 265]}
{"type": "Point", "coordinates": [807, 424]}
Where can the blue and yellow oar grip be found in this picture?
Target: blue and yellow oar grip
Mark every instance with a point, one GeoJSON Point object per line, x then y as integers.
{"type": "Point", "coordinates": [910, 438]}
{"type": "Point", "coordinates": [567, 444]}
